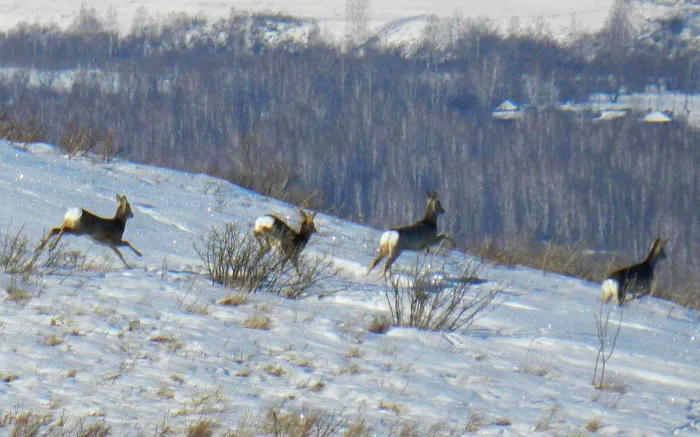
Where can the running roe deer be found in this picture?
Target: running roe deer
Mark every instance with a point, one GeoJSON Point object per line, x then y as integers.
{"type": "Point", "coordinates": [635, 277]}
{"type": "Point", "coordinates": [418, 236]}
{"type": "Point", "coordinates": [270, 231]}
{"type": "Point", "coordinates": [104, 231]}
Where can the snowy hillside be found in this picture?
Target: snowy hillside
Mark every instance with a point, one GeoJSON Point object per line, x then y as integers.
{"type": "Point", "coordinates": [558, 15]}
{"type": "Point", "coordinates": [149, 347]}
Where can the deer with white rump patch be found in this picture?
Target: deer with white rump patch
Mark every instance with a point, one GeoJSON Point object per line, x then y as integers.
{"type": "Point", "coordinates": [271, 231]}
{"type": "Point", "coordinates": [418, 236]}
{"type": "Point", "coordinates": [104, 231]}
{"type": "Point", "coordinates": [635, 277]}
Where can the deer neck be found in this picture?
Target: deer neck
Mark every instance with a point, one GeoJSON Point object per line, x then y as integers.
{"type": "Point", "coordinates": [652, 259]}
{"type": "Point", "coordinates": [431, 217]}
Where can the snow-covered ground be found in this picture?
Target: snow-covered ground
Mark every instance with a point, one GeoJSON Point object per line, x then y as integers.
{"type": "Point", "coordinates": [560, 16]}
{"type": "Point", "coordinates": [150, 346]}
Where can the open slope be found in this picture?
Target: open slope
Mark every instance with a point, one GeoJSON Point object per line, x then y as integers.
{"type": "Point", "coordinates": [560, 16]}
{"type": "Point", "coordinates": [143, 347]}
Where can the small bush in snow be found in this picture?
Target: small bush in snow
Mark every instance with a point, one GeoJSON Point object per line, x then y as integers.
{"type": "Point", "coordinates": [428, 298]}
{"type": "Point", "coordinates": [15, 255]}
{"type": "Point", "coordinates": [234, 258]}
{"type": "Point", "coordinates": [16, 130]}
{"type": "Point", "coordinates": [77, 141]}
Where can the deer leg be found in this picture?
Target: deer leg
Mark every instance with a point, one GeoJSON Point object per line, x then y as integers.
{"type": "Point", "coordinates": [392, 257]}
{"type": "Point", "coordinates": [622, 293]}
{"type": "Point", "coordinates": [60, 232]}
{"type": "Point", "coordinates": [382, 254]}
{"type": "Point", "coordinates": [645, 291]}
{"type": "Point", "coordinates": [127, 244]}
{"type": "Point", "coordinates": [119, 254]}
{"type": "Point", "coordinates": [450, 240]}
{"type": "Point", "coordinates": [263, 242]}
{"type": "Point", "coordinates": [48, 236]}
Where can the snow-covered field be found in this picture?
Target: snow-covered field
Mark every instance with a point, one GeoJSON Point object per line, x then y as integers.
{"type": "Point", "coordinates": [560, 16]}
{"type": "Point", "coordinates": [149, 346]}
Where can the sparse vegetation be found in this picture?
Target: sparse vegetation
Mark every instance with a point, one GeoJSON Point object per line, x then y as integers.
{"type": "Point", "coordinates": [20, 131]}
{"type": "Point", "coordinates": [202, 428]}
{"type": "Point", "coordinates": [570, 260]}
{"type": "Point", "coordinates": [606, 343]}
{"type": "Point", "coordinates": [379, 325]}
{"type": "Point", "coordinates": [429, 298]}
{"type": "Point", "coordinates": [295, 423]}
{"type": "Point", "coordinates": [594, 425]}
{"type": "Point", "coordinates": [234, 300]}
{"type": "Point", "coordinates": [258, 321]}
{"type": "Point", "coordinates": [81, 140]}
{"type": "Point", "coordinates": [15, 256]}
{"type": "Point", "coordinates": [234, 258]}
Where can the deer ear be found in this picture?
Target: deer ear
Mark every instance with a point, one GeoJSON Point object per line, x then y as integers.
{"type": "Point", "coordinates": [313, 214]}
{"type": "Point", "coordinates": [119, 198]}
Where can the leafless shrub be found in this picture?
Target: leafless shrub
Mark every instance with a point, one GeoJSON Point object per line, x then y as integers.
{"type": "Point", "coordinates": [302, 423]}
{"type": "Point", "coordinates": [234, 258]}
{"type": "Point", "coordinates": [15, 130]}
{"type": "Point", "coordinates": [606, 344]}
{"type": "Point", "coordinates": [429, 299]}
{"type": "Point", "coordinates": [313, 271]}
{"type": "Point", "coordinates": [81, 140]}
{"type": "Point", "coordinates": [15, 255]}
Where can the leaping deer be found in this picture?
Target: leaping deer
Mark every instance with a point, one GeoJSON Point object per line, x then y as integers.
{"type": "Point", "coordinates": [418, 236]}
{"type": "Point", "coordinates": [104, 231]}
{"type": "Point", "coordinates": [271, 231]}
{"type": "Point", "coordinates": [635, 277]}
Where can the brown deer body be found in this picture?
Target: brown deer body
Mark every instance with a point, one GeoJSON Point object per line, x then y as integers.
{"type": "Point", "coordinates": [637, 277]}
{"type": "Point", "coordinates": [418, 236]}
{"type": "Point", "coordinates": [104, 231]}
{"type": "Point", "coordinates": [271, 231]}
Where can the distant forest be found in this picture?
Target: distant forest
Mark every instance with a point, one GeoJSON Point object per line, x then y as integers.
{"type": "Point", "coordinates": [369, 129]}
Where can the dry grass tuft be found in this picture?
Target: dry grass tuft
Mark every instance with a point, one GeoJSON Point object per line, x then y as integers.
{"type": "Point", "coordinates": [203, 428]}
{"type": "Point", "coordinates": [17, 291]}
{"type": "Point", "coordinates": [594, 425]}
{"type": "Point", "coordinates": [503, 421]}
{"type": "Point", "coordinates": [354, 352]}
{"type": "Point", "coordinates": [390, 406]}
{"type": "Point", "coordinates": [379, 325]}
{"type": "Point", "coordinates": [274, 370]}
{"type": "Point", "coordinates": [165, 393]}
{"type": "Point", "coordinates": [51, 340]}
{"type": "Point", "coordinates": [258, 321]}
{"type": "Point", "coordinates": [8, 378]}
{"type": "Point", "coordinates": [234, 300]}
{"type": "Point", "coordinates": [169, 340]}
